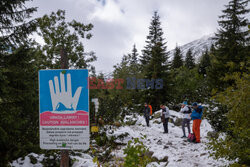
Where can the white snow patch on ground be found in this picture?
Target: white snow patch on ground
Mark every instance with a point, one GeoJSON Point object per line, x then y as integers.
{"type": "Point", "coordinates": [84, 160]}
{"type": "Point", "coordinates": [25, 162]}
{"type": "Point", "coordinates": [180, 153]}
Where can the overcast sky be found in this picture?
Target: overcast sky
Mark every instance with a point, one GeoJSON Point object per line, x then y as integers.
{"type": "Point", "coordinates": [118, 24]}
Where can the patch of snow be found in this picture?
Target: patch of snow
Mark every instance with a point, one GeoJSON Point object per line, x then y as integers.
{"type": "Point", "coordinates": [198, 47]}
{"type": "Point", "coordinates": [25, 162]}
{"type": "Point", "coordinates": [84, 160]}
{"type": "Point", "coordinates": [179, 152]}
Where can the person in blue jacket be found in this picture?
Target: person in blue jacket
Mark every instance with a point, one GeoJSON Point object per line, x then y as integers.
{"type": "Point", "coordinates": [196, 117]}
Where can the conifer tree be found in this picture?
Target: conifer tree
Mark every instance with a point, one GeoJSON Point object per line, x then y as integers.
{"type": "Point", "coordinates": [231, 43]}
{"type": "Point", "coordinates": [134, 56]}
{"type": "Point", "coordinates": [204, 63]}
{"type": "Point", "coordinates": [189, 60]}
{"type": "Point", "coordinates": [18, 104]}
{"type": "Point", "coordinates": [154, 62]}
{"type": "Point", "coordinates": [177, 61]}
{"type": "Point", "coordinates": [228, 57]}
{"type": "Point", "coordinates": [18, 82]}
{"type": "Point", "coordinates": [14, 26]}
{"type": "Point", "coordinates": [129, 71]}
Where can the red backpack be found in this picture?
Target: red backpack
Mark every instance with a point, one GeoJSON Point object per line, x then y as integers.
{"type": "Point", "coordinates": [151, 110]}
{"type": "Point", "coordinates": [191, 137]}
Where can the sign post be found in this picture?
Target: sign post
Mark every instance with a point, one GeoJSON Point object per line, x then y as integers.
{"type": "Point", "coordinates": [94, 127]}
{"type": "Point", "coordinates": [64, 110]}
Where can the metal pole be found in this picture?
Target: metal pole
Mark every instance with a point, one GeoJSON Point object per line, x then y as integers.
{"type": "Point", "coordinates": [64, 162]}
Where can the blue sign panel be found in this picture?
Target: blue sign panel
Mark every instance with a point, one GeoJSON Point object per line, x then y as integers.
{"type": "Point", "coordinates": [64, 109]}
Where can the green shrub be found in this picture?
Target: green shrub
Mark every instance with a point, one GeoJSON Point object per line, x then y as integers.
{"type": "Point", "coordinates": [136, 154]}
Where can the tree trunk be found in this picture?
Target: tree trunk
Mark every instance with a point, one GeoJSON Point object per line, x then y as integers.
{"type": "Point", "coordinates": [64, 59]}
{"type": "Point", "coordinates": [64, 153]}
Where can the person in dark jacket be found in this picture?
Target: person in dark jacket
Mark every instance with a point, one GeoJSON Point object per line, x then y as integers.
{"type": "Point", "coordinates": [146, 113]}
{"type": "Point", "coordinates": [165, 117]}
{"type": "Point", "coordinates": [196, 117]}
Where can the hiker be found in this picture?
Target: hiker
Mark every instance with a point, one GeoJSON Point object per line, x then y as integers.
{"type": "Point", "coordinates": [196, 117]}
{"type": "Point", "coordinates": [165, 117]}
{"type": "Point", "coordinates": [146, 113]}
{"type": "Point", "coordinates": [186, 110]}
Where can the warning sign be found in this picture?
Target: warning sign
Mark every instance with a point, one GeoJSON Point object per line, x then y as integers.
{"type": "Point", "coordinates": [64, 109]}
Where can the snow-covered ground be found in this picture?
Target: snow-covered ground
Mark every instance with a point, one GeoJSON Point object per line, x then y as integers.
{"type": "Point", "coordinates": [180, 153]}
{"type": "Point", "coordinates": [170, 148]}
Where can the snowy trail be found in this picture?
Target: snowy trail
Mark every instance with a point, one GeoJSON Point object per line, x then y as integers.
{"type": "Point", "coordinates": [170, 149]}
{"type": "Point", "coordinates": [179, 152]}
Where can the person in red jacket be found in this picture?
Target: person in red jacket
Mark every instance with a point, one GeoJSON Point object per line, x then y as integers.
{"type": "Point", "coordinates": [146, 113]}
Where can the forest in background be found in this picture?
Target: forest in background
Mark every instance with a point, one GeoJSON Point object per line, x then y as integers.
{"type": "Point", "coordinates": [220, 78]}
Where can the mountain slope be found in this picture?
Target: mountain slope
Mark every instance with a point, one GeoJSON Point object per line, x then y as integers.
{"type": "Point", "coordinates": [198, 47]}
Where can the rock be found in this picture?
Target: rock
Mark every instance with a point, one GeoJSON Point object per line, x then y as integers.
{"type": "Point", "coordinates": [157, 115]}
{"type": "Point", "coordinates": [166, 147]}
{"type": "Point", "coordinates": [131, 122]}
{"type": "Point", "coordinates": [178, 122]}
{"type": "Point", "coordinates": [117, 124]}
{"type": "Point", "coordinates": [203, 154]}
{"type": "Point", "coordinates": [157, 122]}
{"type": "Point", "coordinates": [174, 147]}
{"type": "Point", "coordinates": [179, 160]}
{"type": "Point", "coordinates": [165, 159]}
{"type": "Point", "coordinates": [212, 134]}
{"type": "Point", "coordinates": [159, 142]}
{"type": "Point", "coordinates": [169, 143]}
{"type": "Point", "coordinates": [171, 120]}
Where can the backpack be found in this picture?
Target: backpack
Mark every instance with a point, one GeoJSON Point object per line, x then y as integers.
{"type": "Point", "coordinates": [151, 110]}
{"type": "Point", "coordinates": [191, 137]}
{"type": "Point", "coordinates": [199, 110]}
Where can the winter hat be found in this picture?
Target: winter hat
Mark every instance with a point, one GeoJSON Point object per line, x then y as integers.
{"type": "Point", "coordinates": [195, 104]}
{"type": "Point", "coordinates": [185, 103]}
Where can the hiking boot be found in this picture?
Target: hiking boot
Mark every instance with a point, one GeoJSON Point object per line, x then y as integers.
{"type": "Point", "coordinates": [183, 137]}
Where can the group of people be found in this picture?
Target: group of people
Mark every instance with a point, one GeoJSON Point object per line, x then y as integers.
{"type": "Point", "coordinates": [193, 112]}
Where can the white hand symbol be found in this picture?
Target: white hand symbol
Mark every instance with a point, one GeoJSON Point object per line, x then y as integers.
{"type": "Point", "coordinates": [64, 97]}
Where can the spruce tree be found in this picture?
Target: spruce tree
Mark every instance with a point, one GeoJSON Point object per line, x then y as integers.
{"type": "Point", "coordinates": [18, 104]}
{"type": "Point", "coordinates": [134, 55]}
{"type": "Point", "coordinates": [177, 61]}
{"type": "Point", "coordinates": [14, 26]}
{"type": "Point", "coordinates": [18, 82]}
{"type": "Point", "coordinates": [189, 60]}
{"type": "Point", "coordinates": [204, 63]}
{"type": "Point", "coordinates": [229, 56]}
{"type": "Point", "coordinates": [154, 62]}
{"type": "Point", "coordinates": [133, 61]}
{"type": "Point", "coordinates": [231, 43]}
